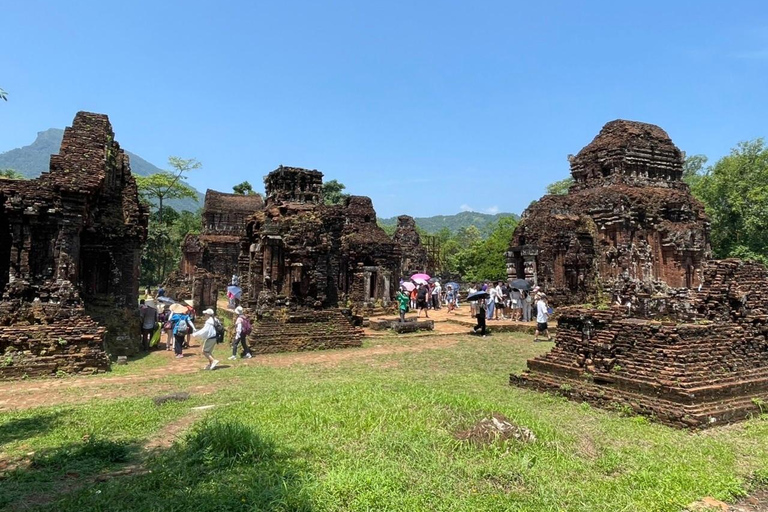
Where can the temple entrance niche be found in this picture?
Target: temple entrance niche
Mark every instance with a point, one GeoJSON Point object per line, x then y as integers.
{"type": "Point", "coordinates": [6, 241]}
{"type": "Point", "coordinates": [96, 272]}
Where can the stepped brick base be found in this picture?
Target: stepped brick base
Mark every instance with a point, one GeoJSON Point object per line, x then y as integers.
{"type": "Point", "coordinates": [294, 331]}
{"type": "Point", "coordinates": [703, 366]}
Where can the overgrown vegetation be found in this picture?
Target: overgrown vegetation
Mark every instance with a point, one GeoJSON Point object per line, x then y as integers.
{"type": "Point", "coordinates": [735, 193]}
{"type": "Point", "coordinates": [369, 433]}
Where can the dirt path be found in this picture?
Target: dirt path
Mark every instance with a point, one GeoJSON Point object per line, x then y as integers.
{"type": "Point", "coordinates": [19, 395]}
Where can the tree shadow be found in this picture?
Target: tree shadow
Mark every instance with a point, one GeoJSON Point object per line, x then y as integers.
{"type": "Point", "coordinates": [220, 466]}
{"type": "Point", "coordinates": [24, 428]}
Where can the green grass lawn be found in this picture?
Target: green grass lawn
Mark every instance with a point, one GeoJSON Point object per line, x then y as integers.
{"type": "Point", "coordinates": [373, 433]}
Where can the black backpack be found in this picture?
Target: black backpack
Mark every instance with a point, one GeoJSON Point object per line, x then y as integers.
{"type": "Point", "coordinates": [217, 325]}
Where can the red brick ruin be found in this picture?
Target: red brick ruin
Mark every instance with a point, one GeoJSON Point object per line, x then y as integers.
{"type": "Point", "coordinates": [70, 245]}
{"type": "Point", "coordinates": [674, 335]}
{"type": "Point", "coordinates": [309, 267]}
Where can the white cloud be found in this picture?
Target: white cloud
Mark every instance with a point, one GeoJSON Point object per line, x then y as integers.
{"type": "Point", "coordinates": [493, 210]}
{"type": "Point", "coordinates": [466, 208]}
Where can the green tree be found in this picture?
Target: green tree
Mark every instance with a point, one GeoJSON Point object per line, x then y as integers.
{"type": "Point", "coordinates": [561, 187]}
{"type": "Point", "coordinates": [168, 184]}
{"type": "Point", "coordinates": [10, 174]}
{"type": "Point", "coordinates": [332, 192]}
{"type": "Point", "coordinates": [244, 189]}
{"type": "Point", "coordinates": [693, 169]}
{"type": "Point", "coordinates": [735, 194]}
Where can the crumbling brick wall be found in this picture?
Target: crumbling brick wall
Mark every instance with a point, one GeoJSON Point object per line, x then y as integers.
{"type": "Point", "coordinates": [413, 254]}
{"type": "Point", "coordinates": [306, 256]}
{"type": "Point", "coordinates": [70, 237]}
{"type": "Point", "coordinates": [705, 362]}
{"type": "Point", "coordinates": [628, 219]}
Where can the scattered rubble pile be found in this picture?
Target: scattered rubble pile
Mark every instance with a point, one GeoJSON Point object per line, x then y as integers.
{"type": "Point", "coordinates": [628, 220]}
{"type": "Point", "coordinates": [413, 254]}
{"type": "Point", "coordinates": [302, 260]}
{"type": "Point", "coordinates": [496, 428]}
{"type": "Point", "coordinates": [704, 364]}
{"type": "Point", "coordinates": [70, 245]}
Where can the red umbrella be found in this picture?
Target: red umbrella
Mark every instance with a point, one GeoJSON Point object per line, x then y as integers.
{"type": "Point", "coordinates": [423, 277]}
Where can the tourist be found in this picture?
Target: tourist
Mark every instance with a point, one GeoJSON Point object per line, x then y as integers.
{"type": "Point", "coordinates": [450, 297]}
{"type": "Point", "coordinates": [527, 302]}
{"type": "Point", "coordinates": [242, 330]}
{"type": "Point", "coordinates": [414, 292]}
{"type": "Point", "coordinates": [490, 306]}
{"type": "Point", "coordinates": [499, 310]}
{"type": "Point", "coordinates": [165, 321]}
{"type": "Point", "coordinates": [542, 315]}
{"type": "Point", "coordinates": [160, 291]}
{"type": "Point", "coordinates": [472, 303]}
{"type": "Point", "coordinates": [436, 291]}
{"type": "Point", "coordinates": [148, 318]}
{"type": "Point", "coordinates": [192, 316]}
{"type": "Point", "coordinates": [182, 326]}
{"type": "Point", "coordinates": [402, 300]}
{"type": "Point", "coordinates": [208, 336]}
{"type": "Point", "coordinates": [421, 301]}
{"type": "Point", "coordinates": [516, 304]}
{"type": "Point", "coordinates": [480, 318]}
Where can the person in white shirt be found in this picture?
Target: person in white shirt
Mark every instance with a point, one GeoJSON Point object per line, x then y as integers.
{"type": "Point", "coordinates": [436, 297]}
{"type": "Point", "coordinates": [208, 336]}
{"type": "Point", "coordinates": [542, 315]}
{"type": "Point", "coordinates": [472, 304]}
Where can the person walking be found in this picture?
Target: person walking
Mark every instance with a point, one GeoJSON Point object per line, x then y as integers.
{"type": "Point", "coordinates": [207, 334]}
{"type": "Point", "coordinates": [450, 298]}
{"type": "Point", "coordinates": [480, 318]}
{"type": "Point", "coordinates": [402, 301]}
{"type": "Point", "coordinates": [148, 317]}
{"type": "Point", "coordinates": [542, 315]}
{"type": "Point", "coordinates": [421, 301]}
{"type": "Point", "coordinates": [182, 326]}
{"type": "Point", "coordinates": [436, 289]}
{"type": "Point", "coordinates": [242, 330]}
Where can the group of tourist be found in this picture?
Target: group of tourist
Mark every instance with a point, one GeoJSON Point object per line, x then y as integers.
{"type": "Point", "coordinates": [175, 322]}
{"type": "Point", "coordinates": [504, 302]}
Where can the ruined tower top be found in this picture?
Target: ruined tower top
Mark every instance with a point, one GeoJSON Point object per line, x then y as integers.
{"type": "Point", "coordinates": [294, 185]}
{"type": "Point", "coordinates": [628, 152]}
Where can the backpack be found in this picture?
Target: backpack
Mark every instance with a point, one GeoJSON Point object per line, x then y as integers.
{"type": "Point", "coordinates": [245, 328]}
{"type": "Point", "coordinates": [217, 325]}
{"type": "Point", "coordinates": [182, 326]}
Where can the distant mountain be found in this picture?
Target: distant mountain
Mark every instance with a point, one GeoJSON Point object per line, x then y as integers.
{"type": "Point", "coordinates": [34, 159]}
{"type": "Point", "coordinates": [483, 221]}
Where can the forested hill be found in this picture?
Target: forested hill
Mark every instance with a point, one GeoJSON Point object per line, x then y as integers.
{"type": "Point", "coordinates": [483, 221]}
{"type": "Point", "coordinates": [32, 160]}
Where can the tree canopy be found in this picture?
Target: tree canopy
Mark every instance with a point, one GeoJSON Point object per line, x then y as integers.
{"type": "Point", "coordinates": [3, 95]}
{"type": "Point", "coordinates": [10, 174]}
{"type": "Point", "coordinates": [332, 192]}
{"type": "Point", "coordinates": [244, 189]}
{"type": "Point", "coordinates": [560, 187]}
{"type": "Point", "coordinates": [735, 193]}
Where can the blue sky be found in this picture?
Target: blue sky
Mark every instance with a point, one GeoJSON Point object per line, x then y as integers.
{"type": "Point", "coordinates": [427, 107]}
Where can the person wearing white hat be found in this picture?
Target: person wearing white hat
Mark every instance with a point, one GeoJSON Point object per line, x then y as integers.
{"type": "Point", "coordinates": [242, 330]}
{"type": "Point", "coordinates": [208, 334]}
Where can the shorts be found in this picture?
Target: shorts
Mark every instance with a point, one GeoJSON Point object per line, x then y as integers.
{"type": "Point", "coordinates": [421, 304]}
{"type": "Point", "coordinates": [541, 326]}
{"type": "Point", "coordinates": [209, 345]}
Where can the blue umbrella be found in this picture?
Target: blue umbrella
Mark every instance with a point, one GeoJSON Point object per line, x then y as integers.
{"type": "Point", "coordinates": [235, 291]}
{"type": "Point", "coordinates": [453, 285]}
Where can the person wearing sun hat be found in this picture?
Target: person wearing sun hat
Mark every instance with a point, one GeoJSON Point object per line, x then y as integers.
{"type": "Point", "coordinates": [242, 330]}
{"type": "Point", "coordinates": [208, 336]}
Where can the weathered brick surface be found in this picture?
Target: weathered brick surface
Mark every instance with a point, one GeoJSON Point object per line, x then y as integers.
{"type": "Point", "coordinates": [704, 363]}
{"type": "Point", "coordinates": [628, 225]}
{"type": "Point", "coordinates": [69, 238]}
{"type": "Point", "coordinates": [413, 254]}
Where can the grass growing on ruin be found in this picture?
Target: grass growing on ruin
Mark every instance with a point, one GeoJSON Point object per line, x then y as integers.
{"type": "Point", "coordinates": [375, 433]}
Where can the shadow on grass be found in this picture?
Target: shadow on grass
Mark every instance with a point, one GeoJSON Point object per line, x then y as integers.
{"type": "Point", "coordinates": [220, 466]}
{"type": "Point", "coordinates": [24, 428]}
